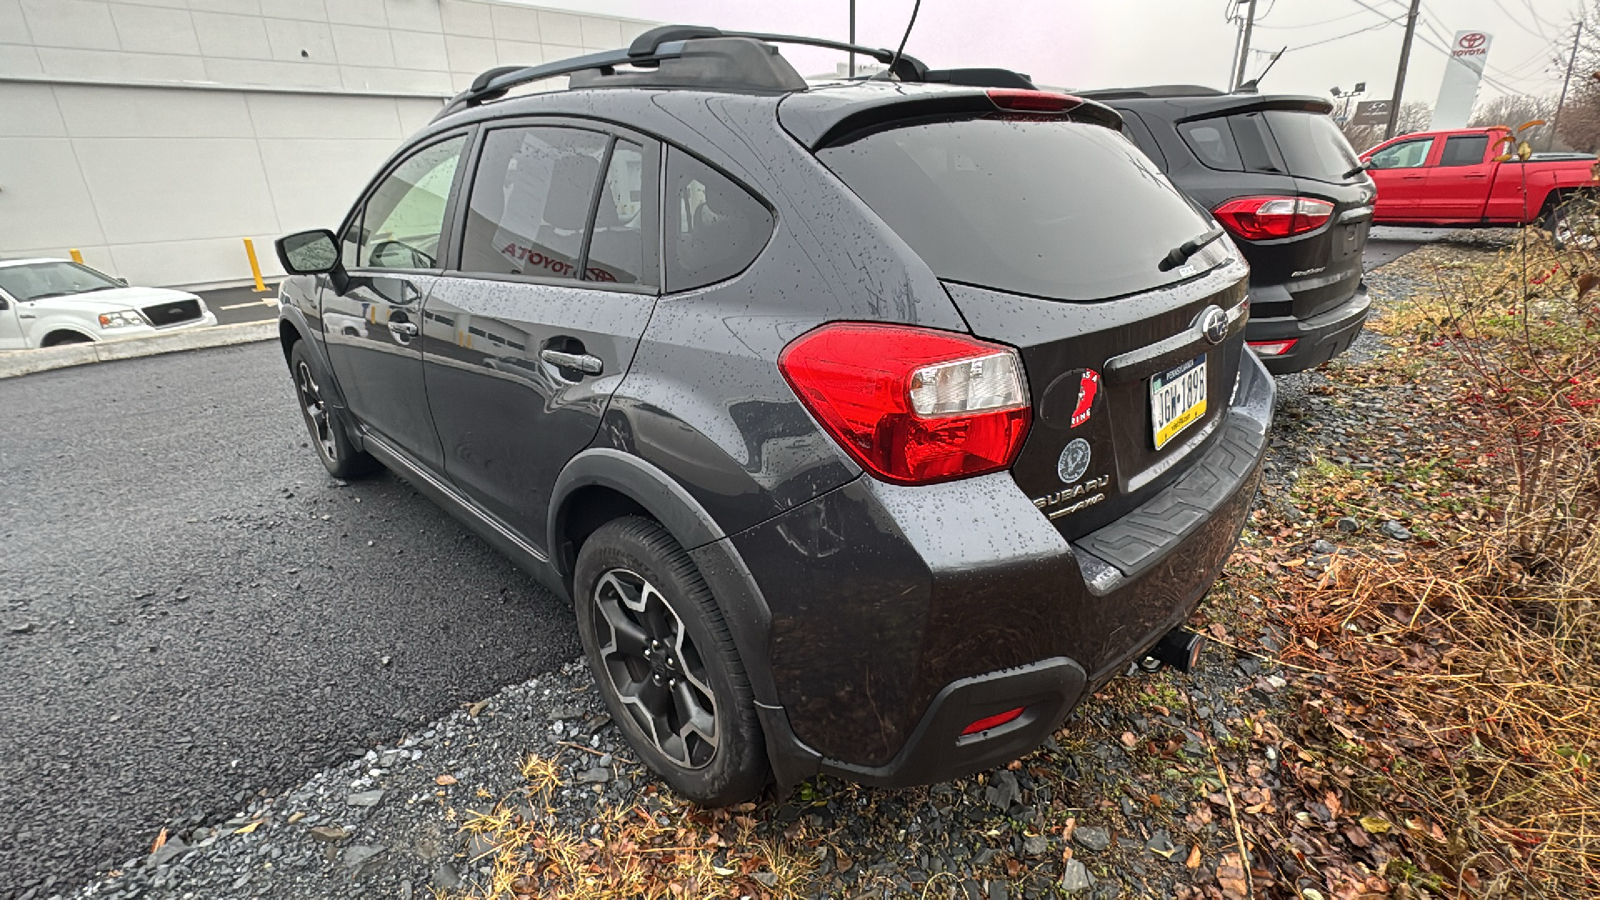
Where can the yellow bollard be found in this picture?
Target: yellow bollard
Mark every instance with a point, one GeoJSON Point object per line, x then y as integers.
{"type": "Point", "coordinates": [255, 266]}
{"type": "Point", "coordinates": [76, 256]}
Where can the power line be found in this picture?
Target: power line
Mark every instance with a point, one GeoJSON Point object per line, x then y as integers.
{"type": "Point", "coordinates": [1383, 24]}
{"type": "Point", "coordinates": [1518, 22]}
{"type": "Point", "coordinates": [1311, 24]}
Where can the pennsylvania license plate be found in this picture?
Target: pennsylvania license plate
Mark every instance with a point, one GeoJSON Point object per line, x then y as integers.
{"type": "Point", "coordinates": [1177, 399]}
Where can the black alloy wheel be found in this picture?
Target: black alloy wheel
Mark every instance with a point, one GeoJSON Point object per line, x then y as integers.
{"type": "Point", "coordinates": [665, 662]}
{"type": "Point", "coordinates": [339, 456]}
{"type": "Point", "coordinates": [315, 410]}
{"type": "Point", "coordinates": [655, 668]}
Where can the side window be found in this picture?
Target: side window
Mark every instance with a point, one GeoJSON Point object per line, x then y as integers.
{"type": "Point", "coordinates": [1257, 150]}
{"type": "Point", "coordinates": [623, 249]}
{"type": "Point", "coordinates": [714, 228]}
{"type": "Point", "coordinates": [1404, 155]}
{"type": "Point", "coordinates": [1213, 143]}
{"type": "Point", "coordinates": [529, 209]}
{"type": "Point", "coordinates": [400, 225]}
{"type": "Point", "coordinates": [1464, 150]}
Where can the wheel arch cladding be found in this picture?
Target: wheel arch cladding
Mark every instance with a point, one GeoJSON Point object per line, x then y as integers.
{"type": "Point", "coordinates": [619, 479]}
{"type": "Point", "coordinates": [288, 335]}
{"type": "Point", "coordinates": [623, 484]}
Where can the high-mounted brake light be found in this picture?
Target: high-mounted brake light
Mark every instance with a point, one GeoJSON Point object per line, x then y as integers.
{"type": "Point", "coordinates": [912, 405]}
{"type": "Point", "coordinates": [1033, 101]}
{"type": "Point", "coordinates": [994, 721]}
{"type": "Point", "coordinates": [1268, 218]}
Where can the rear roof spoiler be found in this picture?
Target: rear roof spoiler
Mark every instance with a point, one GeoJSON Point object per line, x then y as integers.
{"type": "Point", "coordinates": [819, 118]}
{"type": "Point", "coordinates": [1203, 103]}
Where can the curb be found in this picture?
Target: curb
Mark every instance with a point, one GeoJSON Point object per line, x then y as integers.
{"type": "Point", "coordinates": [26, 362]}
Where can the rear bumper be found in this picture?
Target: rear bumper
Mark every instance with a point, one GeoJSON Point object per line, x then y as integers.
{"type": "Point", "coordinates": [1317, 339]}
{"type": "Point", "coordinates": [899, 616]}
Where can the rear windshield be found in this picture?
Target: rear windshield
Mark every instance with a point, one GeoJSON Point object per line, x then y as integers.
{"type": "Point", "coordinates": [1048, 208]}
{"type": "Point", "coordinates": [1276, 142]}
{"type": "Point", "coordinates": [1313, 146]}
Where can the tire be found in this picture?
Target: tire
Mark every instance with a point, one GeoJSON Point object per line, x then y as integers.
{"type": "Point", "coordinates": [324, 423]}
{"type": "Point", "coordinates": [678, 658]}
{"type": "Point", "coordinates": [1573, 224]}
{"type": "Point", "coordinates": [63, 338]}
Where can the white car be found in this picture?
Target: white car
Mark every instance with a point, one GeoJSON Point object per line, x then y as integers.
{"type": "Point", "coordinates": [49, 302]}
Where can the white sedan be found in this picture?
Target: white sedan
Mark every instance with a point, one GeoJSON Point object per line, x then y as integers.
{"type": "Point", "coordinates": [49, 302]}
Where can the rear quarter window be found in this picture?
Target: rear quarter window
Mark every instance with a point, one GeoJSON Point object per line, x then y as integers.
{"type": "Point", "coordinates": [1212, 141]}
{"type": "Point", "coordinates": [1050, 208]}
{"type": "Point", "coordinates": [715, 229]}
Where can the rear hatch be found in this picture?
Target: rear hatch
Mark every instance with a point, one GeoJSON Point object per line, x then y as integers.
{"type": "Point", "coordinates": [1288, 149]}
{"type": "Point", "coordinates": [1050, 235]}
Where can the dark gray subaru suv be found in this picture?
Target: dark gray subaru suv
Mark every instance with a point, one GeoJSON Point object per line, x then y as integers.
{"type": "Point", "coordinates": [869, 426]}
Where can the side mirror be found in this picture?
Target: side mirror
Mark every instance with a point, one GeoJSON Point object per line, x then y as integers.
{"type": "Point", "coordinates": [308, 252]}
{"type": "Point", "coordinates": [122, 281]}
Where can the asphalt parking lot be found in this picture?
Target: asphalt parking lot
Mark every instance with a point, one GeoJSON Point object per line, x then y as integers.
{"type": "Point", "coordinates": [191, 611]}
{"type": "Point", "coordinates": [242, 304]}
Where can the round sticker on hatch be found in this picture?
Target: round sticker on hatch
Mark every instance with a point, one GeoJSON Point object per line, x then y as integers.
{"type": "Point", "coordinates": [1074, 461]}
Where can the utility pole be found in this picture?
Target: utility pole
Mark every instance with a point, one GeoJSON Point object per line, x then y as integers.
{"type": "Point", "coordinates": [1555, 125]}
{"type": "Point", "coordinates": [1400, 77]}
{"type": "Point", "coordinates": [1244, 45]}
{"type": "Point", "coordinates": [1238, 36]}
{"type": "Point", "coordinates": [852, 37]}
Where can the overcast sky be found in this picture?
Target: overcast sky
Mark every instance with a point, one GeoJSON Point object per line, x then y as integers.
{"type": "Point", "coordinates": [1108, 43]}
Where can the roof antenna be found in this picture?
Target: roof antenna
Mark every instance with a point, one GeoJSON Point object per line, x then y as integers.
{"type": "Point", "coordinates": [1253, 86]}
{"type": "Point", "coordinates": [907, 36]}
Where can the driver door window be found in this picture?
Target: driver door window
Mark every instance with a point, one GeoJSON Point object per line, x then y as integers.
{"type": "Point", "coordinates": [400, 225]}
{"type": "Point", "coordinates": [1404, 155]}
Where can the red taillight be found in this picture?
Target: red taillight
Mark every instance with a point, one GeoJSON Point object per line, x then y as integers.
{"type": "Point", "coordinates": [1273, 348]}
{"type": "Point", "coordinates": [1266, 218]}
{"type": "Point", "coordinates": [995, 721]}
{"type": "Point", "coordinates": [912, 405]}
{"type": "Point", "coordinates": [1034, 101]}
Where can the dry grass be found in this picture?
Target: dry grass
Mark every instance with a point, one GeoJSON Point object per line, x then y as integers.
{"type": "Point", "coordinates": [1469, 716]}
{"type": "Point", "coordinates": [664, 849]}
{"type": "Point", "coordinates": [1458, 688]}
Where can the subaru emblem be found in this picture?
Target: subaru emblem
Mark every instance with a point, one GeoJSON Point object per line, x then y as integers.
{"type": "Point", "coordinates": [1214, 323]}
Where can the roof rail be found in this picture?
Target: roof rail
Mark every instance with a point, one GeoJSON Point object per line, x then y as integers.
{"type": "Point", "coordinates": [666, 43]}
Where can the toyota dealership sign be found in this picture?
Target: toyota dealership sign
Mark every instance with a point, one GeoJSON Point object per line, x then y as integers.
{"type": "Point", "coordinates": [1462, 74]}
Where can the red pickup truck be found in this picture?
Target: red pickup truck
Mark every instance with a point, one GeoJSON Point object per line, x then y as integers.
{"type": "Point", "coordinates": [1453, 178]}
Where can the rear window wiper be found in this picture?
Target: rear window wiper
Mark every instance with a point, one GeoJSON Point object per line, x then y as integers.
{"type": "Point", "coordinates": [1357, 170]}
{"type": "Point", "coordinates": [1181, 254]}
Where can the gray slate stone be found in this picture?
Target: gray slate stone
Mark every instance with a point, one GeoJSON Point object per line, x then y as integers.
{"type": "Point", "coordinates": [357, 857]}
{"type": "Point", "coordinates": [1092, 837]}
{"type": "Point", "coordinates": [445, 878]}
{"type": "Point", "coordinates": [1076, 878]}
{"type": "Point", "coordinates": [365, 798]}
{"type": "Point", "coordinates": [1395, 531]}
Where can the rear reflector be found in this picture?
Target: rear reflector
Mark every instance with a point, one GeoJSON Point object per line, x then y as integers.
{"type": "Point", "coordinates": [1273, 348]}
{"type": "Point", "coordinates": [1034, 101]}
{"type": "Point", "coordinates": [1268, 218]}
{"type": "Point", "coordinates": [912, 405]}
{"type": "Point", "coordinates": [995, 721]}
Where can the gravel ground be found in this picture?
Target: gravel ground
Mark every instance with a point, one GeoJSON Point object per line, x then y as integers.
{"type": "Point", "coordinates": [1117, 804]}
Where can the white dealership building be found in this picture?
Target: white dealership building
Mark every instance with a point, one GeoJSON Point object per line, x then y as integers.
{"type": "Point", "coordinates": [155, 135]}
